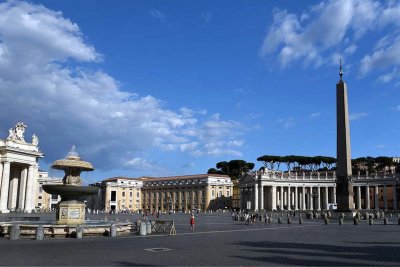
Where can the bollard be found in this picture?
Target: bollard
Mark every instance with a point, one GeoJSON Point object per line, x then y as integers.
{"type": "Point", "coordinates": [79, 232]}
{"type": "Point", "coordinates": [279, 220]}
{"type": "Point", "coordinates": [289, 220]}
{"type": "Point", "coordinates": [398, 222]}
{"type": "Point", "coordinates": [355, 221]}
{"type": "Point", "coordinates": [148, 228]}
{"type": "Point", "coordinates": [113, 230]}
{"type": "Point", "coordinates": [371, 221]}
{"type": "Point", "coordinates": [385, 221]}
{"type": "Point", "coordinates": [39, 232]}
{"type": "Point", "coordinates": [340, 221]}
{"type": "Point", "coordinates": [142, 228]}
{"type": "Point", "coordinates": [300, 220]}
{"type": "Point", "coordinates": [326, 221]}
{"type": "Point", "coordinates": [138, 222]}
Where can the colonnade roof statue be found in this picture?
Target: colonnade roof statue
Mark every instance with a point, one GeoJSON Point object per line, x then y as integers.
{"type": "Point", "coordinates": [16, 137]}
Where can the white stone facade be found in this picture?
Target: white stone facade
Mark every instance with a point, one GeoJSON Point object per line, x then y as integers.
{"type": "Point", "coordinates": [18, 170]}
{"type": "Point", "coordinates": [316, 191]}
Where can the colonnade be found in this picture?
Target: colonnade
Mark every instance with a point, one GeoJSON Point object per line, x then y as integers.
{"type": "Point", "coordinates": [17, 186]}
{"type": "Point", "coordinates": [317, 197]}
{"type": "Point", "coordinates": [178, 199]}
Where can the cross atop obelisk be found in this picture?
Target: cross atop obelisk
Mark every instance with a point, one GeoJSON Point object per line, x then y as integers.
{"type": "Point", "coordinates": [344, 192]}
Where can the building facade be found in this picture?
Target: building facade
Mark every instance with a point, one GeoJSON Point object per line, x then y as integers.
{"type": "Point", "coordinates": [44, 200]}
{"type": "Point", "coordinates": [18, 170]}
{"type": "Point", "coordinates": [316, 191]}
{"type": "Point", "coordinates": [176, 193]}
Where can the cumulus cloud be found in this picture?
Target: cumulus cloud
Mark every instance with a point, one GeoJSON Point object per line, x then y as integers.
{"type": "Point", "coordinates": [69, 104]}
{"type": "Point", "coordinates": [333, 28]}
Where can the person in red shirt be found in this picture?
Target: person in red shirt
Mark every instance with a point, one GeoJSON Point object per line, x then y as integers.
{"type": "Point", "coordinates": [192, 221]}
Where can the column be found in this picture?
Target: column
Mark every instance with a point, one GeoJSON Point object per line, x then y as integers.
{"type": "Point", "coordinates": [326, 198]}
{"type": "Point", "coordinates": [186, 200]}
{"type": "Point", "coordinates": [358, 197]}
{"type": "Point", "coordinates": [394, 197]}
{"type": "Point", "coordinates": [273, 194]}
{"type": "Point", "coordinates": [334, 194]}
{"type": "Point", "coordinates": [311, 199]}
{"type": "Point", "coordinates": [367, 201]}
{"type": "Point", "coordinates": [4, 187]}
{"type": "Point", "coordinates": [289, 201]}
{"type": "Point", "coordinates": [191, 200]}
{"type": "Point", "coordinates": [151, 201]}
{"type": "Point", "coordinates": [199, 199]}
{"type": "Point", "coordinates": [376, 198]}
{"type": "Point", "coordinates": [29, 190]}
{"type": "Point", "coordinates": [22, 188]}
{"type": "Point", "coordinates": [261, 197]}
{"type": "Point", "coordinates": [281, 198]}
{"type": "Point", "coordinates": [173, 203]}
{"type": "Point", "coordinates": [318, 206]}
{"type": "Point", "coordinates": [163, 194]}
{"type": "Point", "coordinates": [296, 199]}
{"type": "Point", "coordinates": [255, 197]}
{"type": "Point", "coordinates": [385, 204]}
{"type": "Point", "coordinates": [1, 173]}
{"type": "Point", "coordinates": [303, 201]}
{"type": "Point", "coordinates": [13, 190]}
{"type": "Point", "coordinates": [207, 197]}
{"type": "Point", "coordinates": [179, 199]}
{"type": "Point", "coordinates": [157, 200]}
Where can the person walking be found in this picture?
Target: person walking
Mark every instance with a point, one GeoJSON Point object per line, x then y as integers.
{"type": "Point", "coordinates": [191, 221]}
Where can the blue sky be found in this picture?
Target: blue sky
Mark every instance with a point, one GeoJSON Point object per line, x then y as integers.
{"type": "Point", "coordinates": [172, 87]}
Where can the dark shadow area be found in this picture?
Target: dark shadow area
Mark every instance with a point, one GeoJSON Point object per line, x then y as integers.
{"type": "Point", "coordinates": [315, 254]}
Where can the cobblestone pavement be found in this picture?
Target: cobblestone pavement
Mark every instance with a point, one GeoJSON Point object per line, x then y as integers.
{"type": "Point", "coordinates": [218, 240]}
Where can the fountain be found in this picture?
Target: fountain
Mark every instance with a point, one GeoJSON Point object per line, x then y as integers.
{"type": "Point", "coordinates": [71, 210]}
{"type": "Point", "coordinates": [70, 215]}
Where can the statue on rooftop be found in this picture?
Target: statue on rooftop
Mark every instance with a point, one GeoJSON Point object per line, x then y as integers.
{"type": "Point", "coordinates": [17, 134]}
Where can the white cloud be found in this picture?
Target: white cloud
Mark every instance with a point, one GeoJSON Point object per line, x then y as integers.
{"type": "Point", "coordinates": [398, 108]}
{"type": "Point", "coordinates": [385, 78]}
{"type": "Point", "coordinates": [333, 28]}
{"type": "Point", "coordinates": [69, 104]}
{"type": "Point", "coordinates": [357, 116]}
{"type": "Point", "coordinates": [139, 164]}
{"type": "Point", "coordinates": [157, 14]}
{"type": "Point", "coordinates": [315, 114]}
{"type": "Point", "coordinates": [287, 122]}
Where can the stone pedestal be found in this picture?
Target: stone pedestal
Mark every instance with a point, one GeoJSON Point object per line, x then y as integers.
{"type": "Point", "coordinates": [71, 212]}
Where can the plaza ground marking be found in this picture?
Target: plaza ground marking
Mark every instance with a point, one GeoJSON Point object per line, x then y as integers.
{"type": "Point", "coordinates": [157, 249]}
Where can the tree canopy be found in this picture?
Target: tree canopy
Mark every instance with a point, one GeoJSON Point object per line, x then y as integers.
{"type": "Point", "coordinates": [233, 168]}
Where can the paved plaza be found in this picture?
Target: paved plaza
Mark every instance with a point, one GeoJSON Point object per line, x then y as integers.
{"type": "Point", "coordinates": [218, 240]}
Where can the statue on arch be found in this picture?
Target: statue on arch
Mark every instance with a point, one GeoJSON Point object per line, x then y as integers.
{"type": "Point", "coordinates": [35, 140]}
{"type": "Point", "coordinates": [17, 134]}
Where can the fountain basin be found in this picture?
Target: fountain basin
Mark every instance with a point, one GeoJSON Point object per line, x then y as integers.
{"type": "Point", "coordinates": [70, 190]}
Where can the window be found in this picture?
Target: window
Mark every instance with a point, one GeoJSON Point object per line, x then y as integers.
{"type": "Point", "coordinates": [137, 194]}
{"type": "Point", "coordinates": [130, 194]}
{"type": "Point", "coordinates": [220, 194]}
{"type": "Point", "coordinates": [40, 197]}
{"type": "Point", "coordinates": [227, 193]}
{"type": "Point", "coordinates": [212, 193]}
{"type": "Point", "coordinates": [123, 194]}
{"type": "Point", "coordinates": [113, 195]}
{"type": "Point", "coordinates": [55, 197]}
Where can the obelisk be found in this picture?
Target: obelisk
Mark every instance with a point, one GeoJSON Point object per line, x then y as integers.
{"type": "Point", "coordinates": [344, 185]}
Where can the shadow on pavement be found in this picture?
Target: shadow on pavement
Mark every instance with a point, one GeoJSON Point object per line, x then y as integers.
{"type": "Point", "coordinates": [322, 254]}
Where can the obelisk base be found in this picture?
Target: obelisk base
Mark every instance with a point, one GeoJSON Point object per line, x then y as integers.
{"type": "Point", "coordinates": [71, 212]}
{"type": "Point", "coordinates": [344, 199]}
